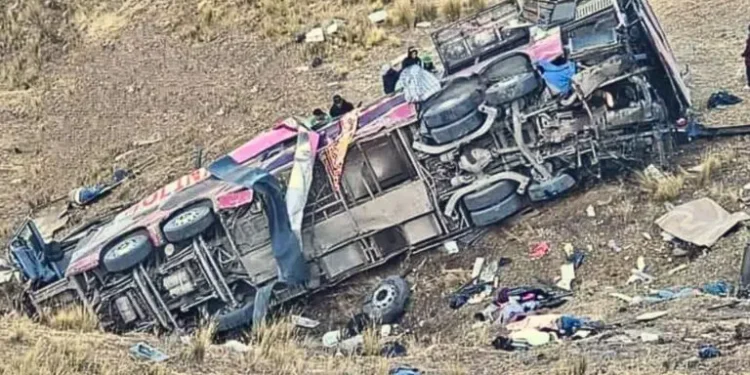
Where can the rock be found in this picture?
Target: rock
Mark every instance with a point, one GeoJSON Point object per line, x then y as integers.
{"type": "Point", "coordinates": [315, 35]}
{"type": "Point", "coordinates": [646, 236]}
{"type": "Point", "coordinates": [378, 16]}
{"type": "Point", "coordinates": [424, 25]}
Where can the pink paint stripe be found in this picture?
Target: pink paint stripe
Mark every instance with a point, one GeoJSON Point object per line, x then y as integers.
{"type": "Point", "coordinates": [279, 134]}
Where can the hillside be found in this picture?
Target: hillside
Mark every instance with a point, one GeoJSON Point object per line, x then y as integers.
{"type": "Point", "coordinates": [82, 80]}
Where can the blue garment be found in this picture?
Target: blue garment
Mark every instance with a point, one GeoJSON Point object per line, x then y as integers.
{"type": "Point", "coordinates": [717, 288]}
{"type": "Point", "coordinates": [287, 251]}
{"type": "Point", "coordinates": [559, 77]}
{"type": "Point", "coordinates": [292, 265]}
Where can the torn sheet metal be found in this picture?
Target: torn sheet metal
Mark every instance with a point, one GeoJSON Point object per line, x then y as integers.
{"type": "Point", "coordinates": [701, 222]}
{"type": "Point", "coordinates": [301, 178]}
{"type": "Point", "coordinates": [50, 224]}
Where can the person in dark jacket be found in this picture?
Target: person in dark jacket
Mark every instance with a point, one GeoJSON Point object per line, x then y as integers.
{"type": "Point", "coordinates": [390, 78]}
{"type": "Point", "coordinates": [412, 58]}
{"type": "Point", "coordinates": [746, 55]}
{"type": "Point", "coordinates": [340, 107]}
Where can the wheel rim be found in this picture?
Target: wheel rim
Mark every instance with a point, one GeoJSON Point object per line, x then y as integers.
{"type": "Point", "coordinates": [384, 296]}
{"type": "Point", "coordinates": [187, 217]}
{"type": "Point", "coordinates": [122, 248]}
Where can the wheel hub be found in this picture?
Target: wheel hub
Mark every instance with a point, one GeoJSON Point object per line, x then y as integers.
{"type": "Point", "coordinates": [384, 296]}
{"type": "Point", "coordinates": [186, 218]}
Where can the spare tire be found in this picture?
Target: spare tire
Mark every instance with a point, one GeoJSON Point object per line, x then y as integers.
{"type": "Point", "coordinates": [127, 252]}
{"type": "Point", "coordinates": [189, 223]}
{"type": "Point", "coordinates": [387, 302]}
{"type": "Point", "coordinates": [455, 101]}
{"type": "Point", "coordinates": [451, 132]}
{"type": "Point", "coordinates": [490, 196]}
{"type": "Point", "coordinates": [498, 212]}
{"type": "Point", "coordinates": [511, 89]}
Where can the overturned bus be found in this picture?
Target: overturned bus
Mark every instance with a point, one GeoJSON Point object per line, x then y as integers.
{"type": "Point", "coordinates": [501, 134]}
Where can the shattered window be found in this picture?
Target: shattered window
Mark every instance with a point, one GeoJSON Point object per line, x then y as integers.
{"type": "Point", "coordinates": [455, 51]}
{"type": "Point", "coordinates": [483, 39]}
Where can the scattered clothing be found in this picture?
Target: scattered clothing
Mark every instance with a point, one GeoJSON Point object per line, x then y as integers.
{"type": "Point", "coordinates": [708, 351]}
{"type": "Point", "coordinates": [88, 194]}
{"type": "Point", "coordinates": [717, 288]}
{"type": "Point", "coordinates": [539, 250]}
{"type": "Point", "coordinates": [417, 83]}
{"type": "Point", "coordinates": [147, 352]}
{"type": "Point", "coordinates": [404, 371]}
{"type": "Point", "coordinates": [390, 79]}
{"type": "Point", "coordinates": [558, 77]}
{"type": "Point", "coordinates": [721, 99]}
{"type": "Point", "coordinates": [463, 294]}
{"type": "Point", "coordinates": [340, 107]}
{"type": "Point", "coordinates": [393, 349]}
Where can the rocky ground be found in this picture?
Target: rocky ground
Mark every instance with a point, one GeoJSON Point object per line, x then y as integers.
{"type": "Point", "coordinates": [211, 76]}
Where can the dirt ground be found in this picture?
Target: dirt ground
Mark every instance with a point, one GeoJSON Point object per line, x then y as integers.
{"type": "Point", "coordinates": [101, 92]}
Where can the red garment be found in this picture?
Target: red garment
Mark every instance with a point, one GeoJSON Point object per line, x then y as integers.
{"type": "Point", "coordinates": [746, 54]}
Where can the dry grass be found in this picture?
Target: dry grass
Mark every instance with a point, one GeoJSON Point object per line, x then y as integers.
{"type": "Point", "coordinates": [371, 341]}
{"type": "Point", "coordinates": [476, 5]}
{"type": "Point", "coordinates": [53, 357]}
{"type": "Point", "coordinates": [99, 21]}
{"type": "Point", "coordinates": [710, 163]}
{"type": "Point", "coordinates": [425, 10]}
{"type": "Point", "coordinates": [73, 318]}
{"type": "Point", "coordinates": [402, 13]}
{"type": "Point", "coordinates": [375, 36]}
{"type": "Point", "coordinates": [451, 9]}
{"type": "Point", "coordinates": [200, 343]}
{"type": "Point", "coordinates": [664, 189]}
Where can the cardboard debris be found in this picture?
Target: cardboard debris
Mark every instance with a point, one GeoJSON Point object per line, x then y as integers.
{"type": "Point", "coordinates": [567, 275]}
{"type": "Point", "coordinates": [378, 17]}
{"type": "Point", "coordinates": [701, 222]}
{"type": "Point", "coordinates": [590, 211]}
{"type": "Point", "coordinates": [532, 337]}
{"type": "Point", "coordinates": [478, 265]}
{"type": "Point", "coordinates": [315, 35]}
{"type": "Point", "coordinates": [451, 247]}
